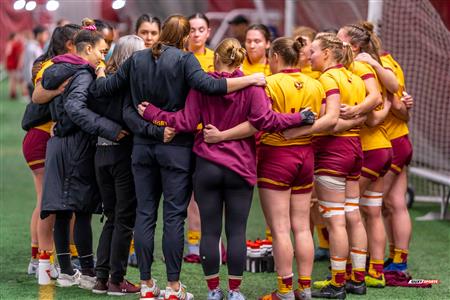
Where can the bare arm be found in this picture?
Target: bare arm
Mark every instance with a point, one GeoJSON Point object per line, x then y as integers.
{"type": "Point", "coordinates": [344, 125]}
{"type": "Point", "coordinates": [387, 77]}
{"type": "Point", "coordinates": [323, 124]}
{"type": "Point", "coordinates": [375, 117]}
{"type": "Point", "coordinates": [372, 100]}
{"type": "Point", "coordinates": [42, 96]}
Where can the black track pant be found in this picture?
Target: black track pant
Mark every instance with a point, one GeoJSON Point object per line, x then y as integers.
{"type": "Point", "coordinates": [165, 169]}
{"type": "Point", "coordinates": [82, 234]}
{"type": "Point", "coordinates": [115, 181]}
{"type": "Point", "coordinates": [217, 188]}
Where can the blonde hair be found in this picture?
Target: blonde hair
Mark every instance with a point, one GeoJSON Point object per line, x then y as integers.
{"type": "Point", "coordinates": [363, 36]}
{"type": "Point", "coordinates": [123, 49]}
{"type": "Point", "coordinates": [341, 52]}
{"type": "Point", "coordinates": [230, 52]}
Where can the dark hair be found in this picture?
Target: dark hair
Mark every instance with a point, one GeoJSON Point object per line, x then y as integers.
{"type": "Point", "coordinates": [87, 36]}
{"type": "Point", "coordinates": [200, 15]}
{"type": "Point", "coordinates": [60, 36]}
{"type": "Point", "coordinates": [100, 24]}
{"type": "Point", "coordinates": [38, 29]}
{"type": "Point", "coordinates": [147, 18]}
{"type": "Point", "coordinates": [288, 49]}
{"type": "Point", "coordinates": [364, 37]}
{"type": "Point", "coordinates": [174, 30]}
{"type": "Point", "coordinates": [261, 28]}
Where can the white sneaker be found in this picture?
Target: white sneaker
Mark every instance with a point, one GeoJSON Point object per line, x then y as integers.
{"type": "Point", "coordinates": [33, 266]}
{"type": "Point", "coordinates": [87, 282]}
{"type": "Point", "coordinates": [150, 293]}
{"type": "Point", "coordinates": [181, 294]}
{"type": "Point", "coordinates": [65, 280]}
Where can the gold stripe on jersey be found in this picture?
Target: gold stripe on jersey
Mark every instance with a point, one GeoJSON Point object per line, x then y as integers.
{"type": "Point", "coordinates": [206, 60]}
{"type": "Point", "coordinates": [291, 91]}
{"type": "Point", "coordinates": [249, 68]}
{"type": "Point", "coordinates": [395, 127]}
{"type": "Point", "coordinates": [371, 137]}
{"type": "Point", "coordinates": [351, 89]}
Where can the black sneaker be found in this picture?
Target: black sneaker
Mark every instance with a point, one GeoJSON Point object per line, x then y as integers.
{"type": "Point", "coordinates": [330, 292]}
{"type": "Point", "coordinates": [101, 286]}
{"type": "Point", "coordinates": [357, 288]}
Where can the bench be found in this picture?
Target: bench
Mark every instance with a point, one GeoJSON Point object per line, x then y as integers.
{"type": "Point", "coordinates": [440, 179]}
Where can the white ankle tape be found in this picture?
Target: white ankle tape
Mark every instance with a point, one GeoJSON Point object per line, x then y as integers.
{"type": "Point", "coordinates": [371, 199]}
{"type": "Point", "coordinates": [331, 182]}
{"type": "Point", "coordinates": [351, 204]}
{"type": "Point", "coordinates": [330, 209]}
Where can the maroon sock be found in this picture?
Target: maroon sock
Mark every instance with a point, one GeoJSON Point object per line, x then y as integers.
{"type": "Point", "coordinates": [234, 283]}
{"type": "Point", "coordinates": [34, 252]}
{"type": "Point", "coordinates": [213, 283]}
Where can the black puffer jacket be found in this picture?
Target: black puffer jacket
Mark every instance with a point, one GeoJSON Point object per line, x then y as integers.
{"type": "Point", "coordinates": [69, 182]}
{"type": "Point", "coordinates": [35, 115]}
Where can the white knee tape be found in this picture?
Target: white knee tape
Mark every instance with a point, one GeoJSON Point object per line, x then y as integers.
{"type": "Point", "coordinates": [330, 209]}
{"type": "Point", "coordinates": [331, 182]}
{"type": "Point", "coordinates": [371, 199]}
{"type": "Point", "coordinates": [351, 204]}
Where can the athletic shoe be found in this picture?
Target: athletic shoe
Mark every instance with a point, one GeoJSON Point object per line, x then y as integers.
{"type": "Point", "coordinates": [321, 254]}
{"type": "Point", "coordinates": [275, 296]}
{"type": "Point", "coordinates": [375, 282]}
{"type": "Point", "coordinates": [235, 295]}
{"type": "Point", "coordinates": [132, 260]}
{"type": "Point", "coordinates": [401, 267]}
{"type": "Point", "coordinates": [33, 266]}
{"type": "Point", "coordinates": [181, 294]}
{"type": "Point", "coordinates": [216, 294]}
{"type": "Point", "coordinates": [357, 288]}
{"type": "Point", "coordinates": [321, 284]}
{"type": "Point", "coordinates": [122, 289]}
{"type": "Point", "coordinates": [65, 280]}
{"type": "Point", "coordinates": [330, 292]}
{"type": "Point", "coordinates": [150, 293]}
{"type": "Point", "coordinates": [302, 295]}
{"type": "Point", "coordinates": [192, 259]}
{"type": "Point", "coordinates": [87, 282]}
{"type": "Point", "coordinates": [403, 279]}
{"type": "Point", "coordinates": [101, 286]}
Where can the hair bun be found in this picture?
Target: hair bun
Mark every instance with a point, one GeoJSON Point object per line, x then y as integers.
{"type": "Point", "coordinates": [87, 22]}
{"type": "Point", "coordinates": [367, 26]}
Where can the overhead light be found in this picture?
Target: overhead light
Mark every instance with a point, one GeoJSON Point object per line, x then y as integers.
{"type": "Point", "coordinates": [52, 5]}
{"type": "Point", "coordinates": [19, 4]}
{"type": "Point", "coordinates": [118, 4]}
{"type": "Point", "coordinates": [30, 5]}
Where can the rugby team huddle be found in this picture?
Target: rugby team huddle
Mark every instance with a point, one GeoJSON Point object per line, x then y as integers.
{"type": "Point", "coordinates": [317, 121]}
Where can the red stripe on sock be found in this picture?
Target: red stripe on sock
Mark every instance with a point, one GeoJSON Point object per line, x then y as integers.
{"type": "Point", "coordinates": [234, 283]}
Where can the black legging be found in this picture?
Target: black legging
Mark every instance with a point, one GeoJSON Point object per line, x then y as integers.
{"type": "Point", "coordinates": [82, 234]}
{"type": "Point", "coordinates": [217, 188]}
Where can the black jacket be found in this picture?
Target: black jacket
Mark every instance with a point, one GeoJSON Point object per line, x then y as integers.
{"type": "Point", "coordinates": [165, 82]}
{"type": "Point", "coordinates": [35, 115]}
{"type": "Point", "coordinates": [70, 110]}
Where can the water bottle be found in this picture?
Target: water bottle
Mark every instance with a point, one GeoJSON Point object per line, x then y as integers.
{"type": "Point", "coordinates": [44, 269]}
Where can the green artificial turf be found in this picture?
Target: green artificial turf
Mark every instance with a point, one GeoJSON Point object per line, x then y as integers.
{"type": "Point", "coordinates": [429, 254]}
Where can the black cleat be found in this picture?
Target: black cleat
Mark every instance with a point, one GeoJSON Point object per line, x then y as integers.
{"type": "Point", "coordinates": [387, 262]}
{"type": "Point", "coordinates": [357, 288]}
{"type": "Point", "coordinates": [330, 292]}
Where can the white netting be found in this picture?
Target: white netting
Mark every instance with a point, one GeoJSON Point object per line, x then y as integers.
{"type": "Point", "coordinates": [413, 31]}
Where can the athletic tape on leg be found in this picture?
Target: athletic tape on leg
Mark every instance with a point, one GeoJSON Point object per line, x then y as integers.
{"type": "Point", "coordinates": [331, 182]}
{"type": "Point", "coordinates": [371, 199]}
{"type": "Point", "coordinates": [330, 209]}
{"type": "Point", "coordinates": [351, 204]}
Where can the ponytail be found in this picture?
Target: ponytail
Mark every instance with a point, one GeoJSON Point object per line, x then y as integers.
{"type": "Point", "coordinates": [340, 51]}
{"type": "Point", "coordinates": [288, 49]}
{"type": "Point", "coordinates": [230, 52]}
{"type": "Point", "coordinates": [362, 36]}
